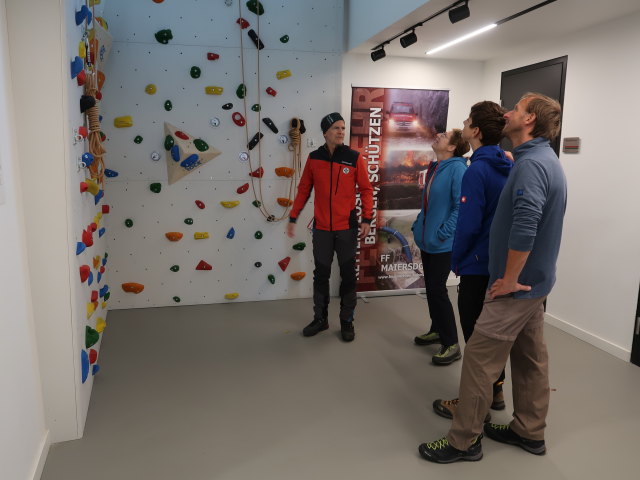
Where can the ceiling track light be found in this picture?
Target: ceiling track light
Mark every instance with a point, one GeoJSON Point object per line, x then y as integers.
{"type": "Point", "coordinates": [408, 39]}
{"type": "Point", "coordinates": [378, 54]}
{"type": "Point", "coordinates": [459, 13]}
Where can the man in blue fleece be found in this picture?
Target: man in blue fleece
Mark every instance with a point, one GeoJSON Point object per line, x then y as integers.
{"type": "Point", "coordinates": [523, 248]}
{"type": "Point", "coordinates": [482, 184]}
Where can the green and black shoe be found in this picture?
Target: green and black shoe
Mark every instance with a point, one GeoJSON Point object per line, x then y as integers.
{"type": "Point", "coordinates": [428, 338]}
{"type": "Point", "coordinates": [441, 451]}
{"type": "Point", "coordinates": [504, 434]}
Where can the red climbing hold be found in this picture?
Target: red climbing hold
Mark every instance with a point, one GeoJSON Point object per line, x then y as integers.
{"type": "Point", "coordinates": [258, 172]}
{"type": "Point", "coordinates": [93, 356]}
{"type": "Point", "coordinates": [181, 135]}
{"type": "Point", "coordinates": [212, 56]}
{"type": "Point", "coordinates": [94, 295]}
{"type": "Point", "coordinates": [87, 238]}
{"type": "Point", "coordinates": [85, 270]}
{"type": "Point", "coordinates": [105, 209]}
{"type": "Point", "coordinates": [102, 269]}
{"type": "Point", "coordinates": [81, 78]}
{"type": "Point", "coordinates": [243, 188]}
{"type": "Point", "coordinates": [204, 266]}
{"type": "Point", "coordinates": [284, 263]}
{"type": "Point", "coordinates": [200, 204]}
{"type": "Point", "coordinates": [242, 22]}
{"type": "Point", "coordinates": [271, 91]}
{"type": "Point", "coordinates": [238, 119]}
{"type": "Point", "coordinates": [93, 226]}
{"type": "Point", "coordinates": [83, 131]}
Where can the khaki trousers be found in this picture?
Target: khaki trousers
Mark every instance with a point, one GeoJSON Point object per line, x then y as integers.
{"type": "Point", "coordinates": [505, 326]}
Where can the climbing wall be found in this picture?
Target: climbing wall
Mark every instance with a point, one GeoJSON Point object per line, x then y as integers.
{"type": "Point", "coordinates": [181, 229]}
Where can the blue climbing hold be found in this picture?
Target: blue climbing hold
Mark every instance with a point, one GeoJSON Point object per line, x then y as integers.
{"type": "Point", "coordinates": [83, 13]}
{"type": "Point", "coordinates": [95, 369]}
{"type": "Point", "coordinates": [90, 278]}
{"type": "Point", "coordinates": [99, 196]}
{"type": "Point", "coordinates": [101, 231]}
{"type": "Point", "coordinates": [87, 159]}
{"type": "Point", "coordinates": [104, 290]}
{"type": "Point", "coordinates": [84, 360]}
{"type": "Point", "coordinates": [231, 233]}
{"type": "Point", "coordinates": [110, 173]}
{"type": "Point", "coordinates": [80, 247]}
{"type": "Point", "coordinates": [175, 153]}
{"type": "Point", "coordinates": [99, 277]}
{"type": "Point", "coordinates": [77, 65]}
{"type": "Point", "coordinates": [190, 162]}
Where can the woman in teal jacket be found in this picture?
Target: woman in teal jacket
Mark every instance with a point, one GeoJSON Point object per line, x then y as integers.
{"type": "Point", "coordinates": [433, 233]}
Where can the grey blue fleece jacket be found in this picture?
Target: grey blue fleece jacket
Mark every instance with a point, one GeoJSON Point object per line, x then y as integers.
{"type": "Point", "coordinates": [529, 217]}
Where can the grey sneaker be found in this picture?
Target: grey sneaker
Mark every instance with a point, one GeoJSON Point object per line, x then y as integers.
{"type": "Point", "coordinates": [428, 338]}
{"type": "Point", "coordinates": [447, 355]}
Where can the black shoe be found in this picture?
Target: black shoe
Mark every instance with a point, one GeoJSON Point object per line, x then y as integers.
{"type": "Point", "coordinates": [441, 452]}
{"type": "Point", "coordinates": [504, 434]}
{"type": "Point", "coordinates": [347, 331]}
{"type": "Point", "coordinates": [315, 327]}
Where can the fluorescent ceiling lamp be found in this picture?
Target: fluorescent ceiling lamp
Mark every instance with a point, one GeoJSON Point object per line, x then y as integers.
{"type": "Point", "coordinates": [463, 38]}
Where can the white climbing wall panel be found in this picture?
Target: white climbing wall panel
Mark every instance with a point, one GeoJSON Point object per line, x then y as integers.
{"type": "Point", "coordinates": [142, 253]}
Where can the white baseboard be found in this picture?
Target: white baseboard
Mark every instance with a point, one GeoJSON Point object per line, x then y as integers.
{"type": "Point", "coordinates": [42, 458]}
{"type": "Point", "coordinates": [601, 343]}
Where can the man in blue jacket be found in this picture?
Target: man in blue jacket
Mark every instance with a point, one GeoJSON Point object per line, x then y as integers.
{"type": "Point", "coordinates": [481, 187]}
{"type": "Point", "coordinates": [524, 242]}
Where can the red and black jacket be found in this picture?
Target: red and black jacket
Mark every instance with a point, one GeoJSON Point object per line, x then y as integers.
{"type": "Point", "coordinates": [335, 179]}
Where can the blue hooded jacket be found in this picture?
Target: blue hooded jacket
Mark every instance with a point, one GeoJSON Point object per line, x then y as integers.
{"type": "Point", "coordinates": [481, 187]}
{"type": "Point", "coordinates": [433, 230]}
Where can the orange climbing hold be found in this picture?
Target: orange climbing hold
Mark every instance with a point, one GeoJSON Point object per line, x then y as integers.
{"type": "Point", "coordinates": [284, 202]}
{"type": "Point", "coordinates": [298, 275]}
{"type": "Point", "coordinates": [285, 172]}
{"type": "Point", "coordinates": [173, 236]}
{"type": "Point", "coordinates": [132, 287]}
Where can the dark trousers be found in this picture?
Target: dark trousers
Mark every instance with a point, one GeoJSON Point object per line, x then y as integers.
{"type": "Point", "coordinates": [436, 268]}
{"type": "Point", "coordinates": [471, 294]}
{"type": "Point", "coordinates": [344, 244]}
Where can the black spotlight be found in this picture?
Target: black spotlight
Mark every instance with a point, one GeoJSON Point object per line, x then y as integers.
{"type": "Point", "coordinates": [378, 54]}
{"type": "Point", "coordinates": [459, 13]}
{"type": "Point", "coordinates": [408, 39]}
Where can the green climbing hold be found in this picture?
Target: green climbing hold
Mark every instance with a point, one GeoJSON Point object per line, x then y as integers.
{"type": "Point", "coordinates": [168, 105]}
{"type": "Point", "coordinates": [176, 299]}
{"type": "Point", "coordinates": [201, 145]}
{"type": "Point", "coordinates": [91, 337]}
{"type": "Point", "coordinates": [241, 91]}
{"type": "Point", "coordinates": [195, 72]}
{"type": "Point", "coordinates": [163, 36]}
{"type": "Point", "coordinates": [299, 246]}
{"type": "Point", "coordinates": [258, 235]}
{"type": "Point", "coordinates": [106, 296]}
{"type": "Point", "coordinates": [175, 268]}
{"type": "Point", "coordinates": [272, 279]}
{"type": "Point", "coordinates": [138, 140]}
{"type": "Point", "coordinates": [255, 6]}
{"type": "Point", "coordinates": [128, 222]}
{"type": "Point", "coordinates": [284, 38]}
{"type": "Point", "coordinates": [257, 203]}
{"type": "Point", "coordinates": [168, 142]}
{"type": "Point", "coordinates": [256, 107]}
{"type": "Point", "coordinates": [155, 187]}
{"type": "Point", "coordinates": [188, 221]}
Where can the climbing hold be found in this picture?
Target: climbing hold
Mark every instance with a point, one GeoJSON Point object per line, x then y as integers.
{"type": "Point", "coordinates": [256, 107]}
{"type": "Point", "coordinates": [213, 90]}
{"type": "Point", "coordinates": [173, 236]}
{"type": "Point", "coordinates": [82, 14]}
{"type": "Point", "coordinates": [242, 22]}
{"type": "Point", "coordinates": [238, 119]}
{"type": "Point", "coordinates": [86, 159]}
{"type": "Point", "coordinates": [243, 188]}
{"type": "Point", "coordinates": [150, 89]}
{"type": "Point", "coordinates": [257, 203]}
{"type": "Point", "coordinates": [175, 268]}
{"type": "Point", "coordinates": [284, 202]}
{"type": "Point", "coordinates": [201, 235]}
{"type": "Point", "coordinates": [299, 246]}
{"type": "Point", "coordinates": [298, 275]}
{"type": "Point", "coordinates": [85, 270]}
{"type": "Point", "coordinates": [110, 173]}
{"type": "Point", "coordinates": [98, 197]}
{"type": "Point", "coordinates": [283, 74]}
{"type": "Point", "coordinates": [168, 142]}
{"type": "Point", "coordinates": [271, 91]}
{"type": "Point", "coordinates": [256, 40]}
{"type": "Point", "coordinates": [188, 221]}
{"type": "Point", "coordinates": [123, 122]}
{"type": "Point", "coordinates": [285, 172]}
{"type": "Point", "coordinates": [86, 102]}
{"type": "Point", "coordinates": [241, 91]}
{"type": "Point", "coordinates": [81, 78]}
{"type": "Point", "coordinates": [163, 36]}
{"type": "Point", "coordinates": [202, 265]}
{"type": "Point", "coordinates": [284, 38]}
{"type": "Point", "coordinates": [158, 1]}
{"type": "Point", "coordinates": [96, 261]}
{"type": "Point", "coordinates": [258, 235]}
{"type": "Point", "coordinates": [231, 296]}
{"type": "Point", "coordinates": [181, 135]}
{"type": "Point", "coordinates": [87, 238]}
{"type": "Point", "coordinates": [231, 233]}
{"type": "Point", "coordinates": [80, 247]}
{"type": "Point", "coordinates": [212, 56]}
{"type": "Point", "coordinates": [91, 308]}
{"type": "Point", "coordinates": [138, 139]}
{"type": "Point", "coordinates": [200, 204]}
{"type": "Point", "coordinates": [230, 203]}
{"type": "Point", "coordinates": [155, 156]}
{"type": "Point", "coordinates": [201, 145]}
{"type": "Point", "coordinates": [254, 141]}
{"type": "Point", "coordinates": [90, 279]}
{"type": "Point", "coordinates": [191, 162]}
{"type": "Point", "coordinates": [132, 287]}
{"type": "Point", "coordinates": [95, 369]}
{"type": "Point", "coordinates": [103, 291]}
{"type": "Point", "coordinates": [257, 264]}
{"type": "Point", "coordinates": [255, 6]}
{"type": "Point", "coordinates": [269, 123]}
{"type": "Point", "coordinates": [77, 66]}
{"type": "Point", "coordinates": [93, 356]}
{"type": "Point", "coordinates": [107, 295]}
{"type": "Point", "coordinates": [155, 187]}
{"type": "Point", "coordinates": [284, 263]}
{"type": "Point", "coordinates": [91, 337]}
{"type": "Point", "coordinates": [84, 361]}
{"type": "Point", "coordinates": [227, 106]}
{"type": "Point", "coordinates": [271, 278]}
{"type": "Point", "coordinates": [214, 122]}
{"type": "Point", "coordinates": [195, 72]}
{"type": "Point", "coordinates": [243, 156]}
{"type": "Point", "coordinates": [257, 173]}
{"type": "Point", "coordinates": [176, 299]}
{"type": "Point", "coordinates": [100, 326]}
{"type": "Point", "coordinates": [175, 153]}
{"type": "Point", "coordinates": [101, 233]}
{"type": "Point", "coordinates": [94, 296]}
{"type": "Point", "coordinates": [93, 226]}
{"type": "Point", "coordinates": [128, 223]}
{"type": "Point", "coordinates": [168, 105]}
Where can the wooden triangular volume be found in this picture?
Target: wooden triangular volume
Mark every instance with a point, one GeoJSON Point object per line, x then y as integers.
{"type": "Point", "coordinates": [185, 153]}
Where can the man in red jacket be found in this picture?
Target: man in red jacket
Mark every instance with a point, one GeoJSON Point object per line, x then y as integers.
{"type": "Point", "coordinates": [334, 171]}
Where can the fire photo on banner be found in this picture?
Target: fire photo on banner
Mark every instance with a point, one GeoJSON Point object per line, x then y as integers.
{"type": "Point", "coordinates": [393, 129]}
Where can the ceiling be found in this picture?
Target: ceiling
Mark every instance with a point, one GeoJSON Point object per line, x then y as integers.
{"type": "Point", "coordinates": [550, 21]}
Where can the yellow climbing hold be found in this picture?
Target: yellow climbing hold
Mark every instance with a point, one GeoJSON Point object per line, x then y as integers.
{"type": "Point", "coordinates": [213, 90]}
{"type": "Point", "coordinates": [231, 296]}
{"type": "Point", "coordinates": [100, 325]}
{"type": "Point", "coordinates": [104, 305]}
{"type": "Point", "coordinates": [123, 122]}
{"type": "Point", "coordinates": [283, 74]}
{"type": "Point", "coordinates": [92, 187]}
{"type": "Point", "coordinates": [230, 204]}
{"type": "Point", "coordinates": [150, 89]}
{"type": "Point", "coordinates": [201, 235]}
{"type": "Point", "coordinates": [91, 307]}
{"type": "Point", "coordinates": [82, 49]}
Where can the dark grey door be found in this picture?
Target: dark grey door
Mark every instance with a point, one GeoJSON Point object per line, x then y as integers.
{"type": "Point", "coordinates": [635, 349]}
{"type": "Point", "coordinates": [546, 77]}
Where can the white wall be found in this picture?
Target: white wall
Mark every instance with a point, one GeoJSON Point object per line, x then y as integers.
{"type": "Point", "coordinates": [596, 293]}
{"type": "Point", "coordinates": [23, 435]}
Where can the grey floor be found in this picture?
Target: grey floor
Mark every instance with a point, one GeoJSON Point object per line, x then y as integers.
{"type": "Point", "coordinates": [233, 391]}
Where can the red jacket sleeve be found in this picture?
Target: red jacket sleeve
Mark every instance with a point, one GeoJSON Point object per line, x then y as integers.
{"type": "Point", "coordinates": [304, 191]}
{"type": "Point", "coordinates": [366, 190]}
